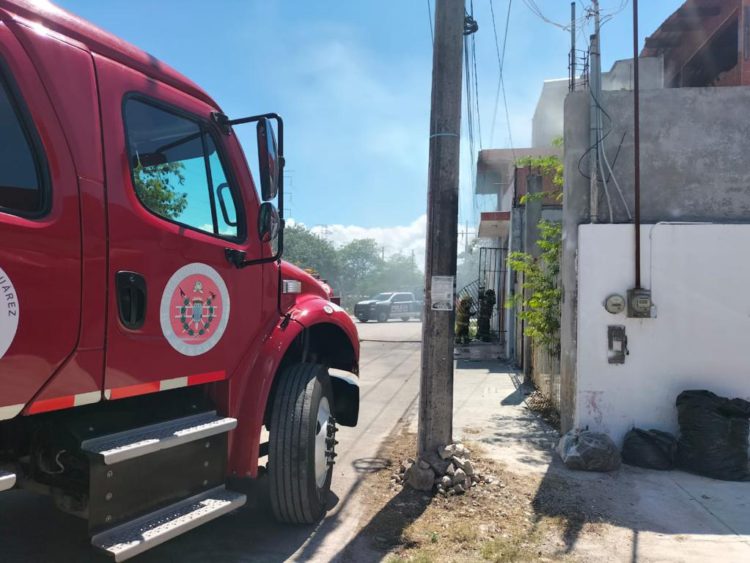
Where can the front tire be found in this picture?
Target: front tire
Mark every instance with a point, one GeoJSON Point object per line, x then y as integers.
{"type": "Point", "coordinates": [301, 444]}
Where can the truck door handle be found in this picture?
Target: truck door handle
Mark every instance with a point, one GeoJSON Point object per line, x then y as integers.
{"type": "Point", "coordinates": [131, 299]}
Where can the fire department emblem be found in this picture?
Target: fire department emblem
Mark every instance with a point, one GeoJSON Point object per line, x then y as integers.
{"type": "Point", "coordinates": [9, 312]}
{"type": "Point", "coordinates": [194, 309]}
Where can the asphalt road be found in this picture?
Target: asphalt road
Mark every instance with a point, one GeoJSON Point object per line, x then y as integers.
{"type": "Point", "coordinates": [32, 530]}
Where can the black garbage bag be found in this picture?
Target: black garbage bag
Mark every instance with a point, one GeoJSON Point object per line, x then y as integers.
{"type": "Point", "coordinates": [652, 449]}
{"type": "Point", "coordinates": [714, 434]}
{"type": "Point", "coordinates": [588, 451]}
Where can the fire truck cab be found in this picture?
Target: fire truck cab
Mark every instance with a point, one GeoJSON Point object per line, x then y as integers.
{"type": "Point", "coordinates": [153, 345]}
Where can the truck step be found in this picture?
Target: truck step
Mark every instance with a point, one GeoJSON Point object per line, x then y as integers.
{"type": "Point", "coordinates": [127, 540]}
{"type": "Point", "coordinates": [137, 442]}
{"type": "Point", "coordinates": [7, 480]}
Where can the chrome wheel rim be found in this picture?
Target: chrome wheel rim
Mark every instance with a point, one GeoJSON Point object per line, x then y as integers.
{"type": "Point", "coordinates": [322, 435]}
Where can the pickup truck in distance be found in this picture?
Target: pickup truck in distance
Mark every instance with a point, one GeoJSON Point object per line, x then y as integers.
{"type": "Point", "coordinates": [384, 306]}
{"type": "Point", "coordinates": [156, 352]}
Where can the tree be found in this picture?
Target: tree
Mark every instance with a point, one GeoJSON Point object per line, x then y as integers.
{"type": "Point", "coordinates": [155, 188]}
{"type": "Point", "coordinates": [541, 308]}
{"type": "Point", "coordinates": [310, 251]}
{"type": "Point", "coordinates": [399, 272]}
{"type": "Point", "coordinates": [360, 260]}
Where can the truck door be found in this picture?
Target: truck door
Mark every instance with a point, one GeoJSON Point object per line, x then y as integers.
{"type": "Point", "coordinates": [400, 305]}
{"type": "Point", "coordinates": [179, 312]}
{"type": "Point", "coordinates": [40, 234]}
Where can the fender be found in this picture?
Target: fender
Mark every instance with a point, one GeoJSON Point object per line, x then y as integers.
{"type": "Point", "coordinates": [249, 391]}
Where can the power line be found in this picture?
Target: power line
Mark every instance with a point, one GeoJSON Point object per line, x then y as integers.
{"type": "Point", "coordinates": [429, 17]}
{"type": "Point", "coordinates": [474, 28]}
{"type": "Point", "coordinates": [501, 69]}
{"type": "Point", "coordinates": [507, 118]}
{"type": "Point", "coordinates": [531, 5]}
{"type": "Point", "coordinates": [476, 89]}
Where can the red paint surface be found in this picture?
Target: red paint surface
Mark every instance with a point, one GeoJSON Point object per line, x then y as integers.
{"type": "Point", "coordinates": [74, 78]}
{"type": "Point", "coordinates": [42, 257]}
{"type": "Point", "coordinates": [134, 390]}
{"type": "Point", "coordinates": [47, 405]}
{"type": "Point", "coordinates": [206, 377]}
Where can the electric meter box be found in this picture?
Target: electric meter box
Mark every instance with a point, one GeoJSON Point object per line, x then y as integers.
{"type": "Point", "coordinates": [639, 303]}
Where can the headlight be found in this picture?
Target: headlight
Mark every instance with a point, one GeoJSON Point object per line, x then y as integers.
{"type": "Point", "coordinates": [292, 286]}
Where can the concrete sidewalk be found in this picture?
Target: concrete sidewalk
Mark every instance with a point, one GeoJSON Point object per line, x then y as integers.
{"type": "Point", "coordinates": [628, 515]}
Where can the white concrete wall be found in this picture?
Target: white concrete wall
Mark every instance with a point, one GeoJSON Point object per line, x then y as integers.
{"type": "Point", "coordinates": [699, 275]}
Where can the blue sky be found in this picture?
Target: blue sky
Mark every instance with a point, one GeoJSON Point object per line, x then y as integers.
{"type": "Point", "coordinates": [352, 80]}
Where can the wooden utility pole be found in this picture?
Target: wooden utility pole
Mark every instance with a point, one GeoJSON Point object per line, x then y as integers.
{"type": "Point", "coordinates": [436, 386]}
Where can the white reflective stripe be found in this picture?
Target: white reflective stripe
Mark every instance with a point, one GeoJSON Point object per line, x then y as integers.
{"type": "Point", "coordinates": [87, 398]}
{"type": "Point", "coordinates": [10, 411]}
{"type": "Point", "coordinates": [176, 383]}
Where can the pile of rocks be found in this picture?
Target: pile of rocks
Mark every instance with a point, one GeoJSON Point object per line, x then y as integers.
{"type": "Point", "coordinates": [449, 470]}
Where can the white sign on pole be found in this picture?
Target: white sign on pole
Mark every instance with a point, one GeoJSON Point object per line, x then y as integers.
{"type": "Point", "coordinates": [442, 293]}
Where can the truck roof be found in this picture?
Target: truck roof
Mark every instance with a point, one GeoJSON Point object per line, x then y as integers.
{"type": "Point", "coordinates": [99, 41]}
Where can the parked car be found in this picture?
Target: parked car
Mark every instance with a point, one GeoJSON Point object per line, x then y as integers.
{"type": "Point", "coordinates": [392, 305]}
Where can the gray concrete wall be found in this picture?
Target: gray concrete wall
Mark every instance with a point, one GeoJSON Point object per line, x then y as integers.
{"type": "Point", "coordinates": [693, 168]}
{"type": "Point", "coordinates": [547, 123]}
{"type": "Point", "coordinates": [620, 77]}
{"type": "Point", "coordinates": [694, 164]}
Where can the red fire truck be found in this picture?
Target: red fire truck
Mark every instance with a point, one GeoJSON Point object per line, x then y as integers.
{"type": "Point", "coordinates": [153, 345]}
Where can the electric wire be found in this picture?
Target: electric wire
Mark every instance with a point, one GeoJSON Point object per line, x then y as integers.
{"type": "Point", "coordinates": [604, 153]}
{"type": "Point", "coordinates": [501, 68]}
{"type": "Point", "coordinates": [599, 146]}
{"type": "Point", "coordinates": [429, 18]}
{"type": "Point", "coordinates": [476, 89]}
{"type": "Point", "coordinates": [469, 114]}
{"type": "Point", "coordinates": [600, 160]}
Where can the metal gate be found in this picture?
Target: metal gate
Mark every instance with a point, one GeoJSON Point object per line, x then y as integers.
{"type": "Point", "coordinates": [492, 274]}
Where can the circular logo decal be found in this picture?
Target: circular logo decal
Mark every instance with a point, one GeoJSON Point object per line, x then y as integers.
{"type": "Point", "coordinates": [194, 309]}
{"type": "Point", "coordinates": [9, 312]}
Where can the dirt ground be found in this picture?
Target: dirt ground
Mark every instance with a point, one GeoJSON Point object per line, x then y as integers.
{"type": "Point", "coordinates": [536, 509]}
{"type": "Point", "coordinates": [515, 518]}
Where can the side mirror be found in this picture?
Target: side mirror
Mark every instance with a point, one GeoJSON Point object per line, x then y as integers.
{"type": "Point", "coordinates": [268, 160]}
{"type": "Point", "coordinates": [268, 222]}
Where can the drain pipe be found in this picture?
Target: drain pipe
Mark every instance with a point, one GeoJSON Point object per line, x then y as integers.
{"type": "Point", "coordinates": [637, 147]}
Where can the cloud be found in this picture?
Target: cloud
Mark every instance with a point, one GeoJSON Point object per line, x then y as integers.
{"type": "Point", "coordinates": [402, 239]}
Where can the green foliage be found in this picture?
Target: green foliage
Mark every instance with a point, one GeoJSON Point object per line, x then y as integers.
{"type": "Point", "coordinates": [310, 251]}
{"type": "Point", "coordinates": [540, 309]}
{"type": "Point", "coordinates": [398, 272]}
{"type": "Point", "coordinates": [360, 260]}
{"type": "Point", "coordinates": [546, 166]}
{"type": "Point", "coordinates": [155, 187]}
{"type": "Point", "coordinates": [356, 270]}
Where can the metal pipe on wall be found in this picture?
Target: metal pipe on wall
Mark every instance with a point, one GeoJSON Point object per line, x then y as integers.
{"type": "Point", "coordinates": [637, 147]}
